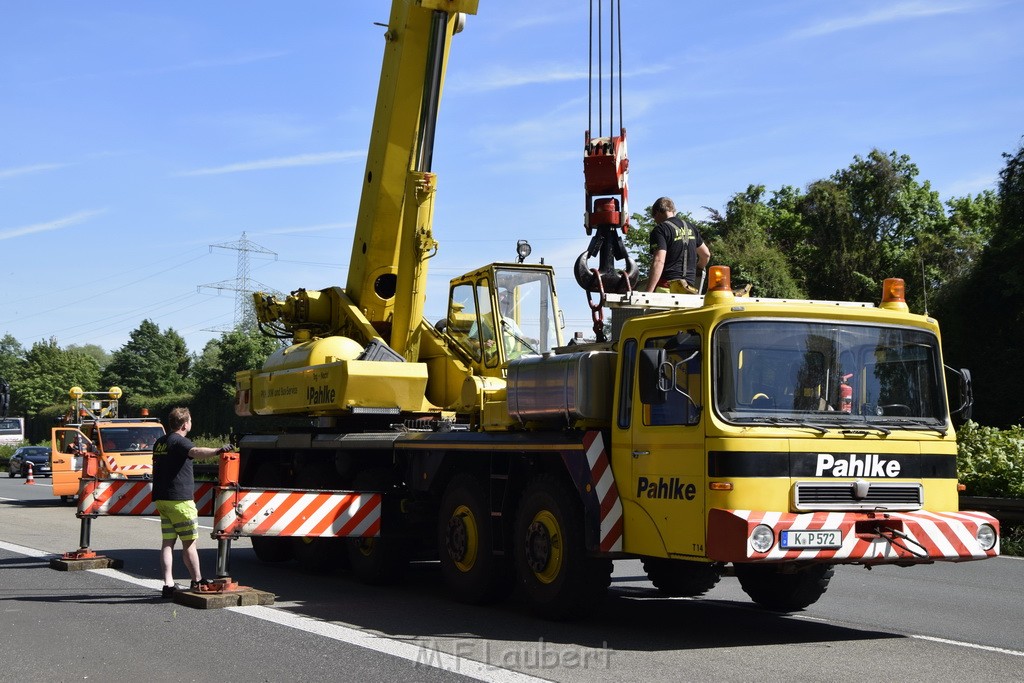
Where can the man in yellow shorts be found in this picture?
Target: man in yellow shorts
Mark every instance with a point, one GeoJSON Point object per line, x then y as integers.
{"type": "Point", "coordinates": [174, 494]}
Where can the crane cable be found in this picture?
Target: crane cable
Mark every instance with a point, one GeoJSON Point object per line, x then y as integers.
{"type": "Point", "coordinates": [605, 164]}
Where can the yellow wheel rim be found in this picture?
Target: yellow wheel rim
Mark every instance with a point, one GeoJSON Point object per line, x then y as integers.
{"type": "Point", "coordinates": [366, 546]}
{"type": "Point", "coordinates": [463, 538]}
{"type": "Point", "coordinates": [544, 547]}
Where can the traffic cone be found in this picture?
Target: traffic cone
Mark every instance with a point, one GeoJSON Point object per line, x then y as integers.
{"type": "Point", "coordinates": [31, 479]}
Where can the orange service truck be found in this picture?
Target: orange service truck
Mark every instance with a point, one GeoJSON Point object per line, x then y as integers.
{"type": "Point", "coordinates": [124, 445]}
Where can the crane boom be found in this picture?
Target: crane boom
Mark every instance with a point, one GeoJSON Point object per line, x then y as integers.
{"type": "Point", "coordinates": [387, 271]}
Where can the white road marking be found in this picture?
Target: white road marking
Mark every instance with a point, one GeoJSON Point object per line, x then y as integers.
{"type": "Point", "coordinates": [421, 655]}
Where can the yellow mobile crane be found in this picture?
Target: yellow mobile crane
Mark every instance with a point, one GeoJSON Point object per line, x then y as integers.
{"type": "Point", "coordinates": [778, 437]}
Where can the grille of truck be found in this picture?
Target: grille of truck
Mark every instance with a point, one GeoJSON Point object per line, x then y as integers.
{"type": "Point", "coordinates": [857, 495]}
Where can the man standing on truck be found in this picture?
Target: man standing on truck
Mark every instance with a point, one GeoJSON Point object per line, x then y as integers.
{"type": "Point", "coordinates": [174, 495]}
{"type": "Point", "coordinates": [678, 253]}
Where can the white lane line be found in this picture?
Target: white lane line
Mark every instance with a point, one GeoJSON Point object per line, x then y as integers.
{"type": "Point", "coordinates": [961, 643]}
{"type": "Point", "coordinates": [421, 655]}
{"type": "Point", "coordinates": [987, 648]}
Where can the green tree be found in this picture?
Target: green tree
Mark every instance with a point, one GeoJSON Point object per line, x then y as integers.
{"type": "Point", "coordinates": [47, 374]}
{"type": "Point", "coordinates": [94, 350]}
{"type": "Point", "coordinates": [215, 368]}
{"type": "Point", "coordinates": [12, 356]}
{"type": "Point", "coordinates": [753, 235]}
{"type": "Point", "coordinates": [868, 222]}
{"type": "Point", "coordinates": [982, 316]}
{"type": "Point", "coordinates": [151, 363]}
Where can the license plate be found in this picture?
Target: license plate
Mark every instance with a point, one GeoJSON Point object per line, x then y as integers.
{"type": "Point", "coordinates": [820, 538]}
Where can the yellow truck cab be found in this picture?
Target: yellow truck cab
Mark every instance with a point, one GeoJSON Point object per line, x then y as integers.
{"type": "Point", "coordinates": [124, 445]}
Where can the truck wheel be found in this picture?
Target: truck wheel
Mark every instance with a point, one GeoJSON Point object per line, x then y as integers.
{"type": "Point", "coordinates": [681, 578]}
{"type": "Point", "coordinates": [318, 555]}
{"type": "Point", "coordinates": [465, 544]}
{"type": "Point", "coordinates": [269, 548]}
{"type": "Point", "coordinates": [560, 580]}
{"type": "Point", "coordinates": [781, 588]}
{"type": "Point", "coordinates": [10, 472]}
{"type": "Point", "coordinates": [381, 560]}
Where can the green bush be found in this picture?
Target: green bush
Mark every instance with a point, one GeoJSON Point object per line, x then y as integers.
{"type": "Point", "coordinates": [991, 460]}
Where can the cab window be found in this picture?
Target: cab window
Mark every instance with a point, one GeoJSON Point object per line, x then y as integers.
{"type": "Point", "coordinates": [679, 380]}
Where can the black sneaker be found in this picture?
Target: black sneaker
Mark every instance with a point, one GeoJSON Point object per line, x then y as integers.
{"type": "Point", "coordinates": [198, 585]}
{"type": "Point", "coordinates": [167, 592]}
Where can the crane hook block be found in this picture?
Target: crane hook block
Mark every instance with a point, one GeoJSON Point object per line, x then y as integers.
{"type": "Point", "coordinates": [607, 244]}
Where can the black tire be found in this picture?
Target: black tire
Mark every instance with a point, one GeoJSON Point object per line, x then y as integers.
{"type": "Point", "coordinates": [10, 472]}
{"type": "Point", "coordinates": [465, 544]}
{"type": "Point", "coordinates": [382, 560]}
{"type": "Point", "coordinates": [270, 548]}
{"type": "Point", "coordinates": [67, 500]}
{"type": "Point", "coordinates": [681, 578]}
{"type": "Point", "coordinates": [318, 555]}
{"type": "Point", "coordinates": [559, 579]}
{"type": "Point", "coordinates": [783, 588]}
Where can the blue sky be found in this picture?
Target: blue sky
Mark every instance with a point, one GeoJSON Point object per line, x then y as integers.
{"type": "Point", "coordinates": [134, 135]}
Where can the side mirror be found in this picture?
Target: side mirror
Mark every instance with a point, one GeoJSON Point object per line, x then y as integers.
{"type": "Point", "coordinates": [651, 389]}
{"type": "Point", "coordinates": [961, 394]}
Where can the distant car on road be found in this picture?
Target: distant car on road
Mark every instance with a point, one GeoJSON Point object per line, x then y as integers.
{"type": "Point", "coordinates": [39, 456]}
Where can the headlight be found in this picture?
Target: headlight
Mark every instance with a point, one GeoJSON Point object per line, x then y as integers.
{"type": "Point", "coordinates": [762, 538]}
{"type": "Point", "coordinates": [986, 537]}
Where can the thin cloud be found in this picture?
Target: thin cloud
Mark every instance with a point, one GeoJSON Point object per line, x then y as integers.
{"type": "Point", "coordinates": [500, 78]}
{"type": "Point", "coordinates": [58, 224]}
{"type": "Point", "coordinates": [886, 14]}
{"type": "Point", "coordinates": [198, 64]}
{"type": "Point", "coordinates": [27, 170]}
{"type": "Point", "coordinates": [279, 162]}
{"type": "Point", "coordinates": [237, 60]}
{"type": "Point", "coordinates": [294, 230]}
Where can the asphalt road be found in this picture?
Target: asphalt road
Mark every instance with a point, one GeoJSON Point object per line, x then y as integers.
{"type": "Point", "coordinates": [932, 623]}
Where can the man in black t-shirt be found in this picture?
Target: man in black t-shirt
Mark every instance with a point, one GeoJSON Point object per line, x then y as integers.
{"type": "Point", "coordinates": [678, 253]}
{"type": "Point", "coordinates": [174, 492]}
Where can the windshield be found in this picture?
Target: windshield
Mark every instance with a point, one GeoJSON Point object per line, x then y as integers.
{"type": "Point", "coordinates": [122, 439]}
{"type": "Point", "coordinates": [528, 316]}
{"type": "Point", "coordinates": [828, 374]}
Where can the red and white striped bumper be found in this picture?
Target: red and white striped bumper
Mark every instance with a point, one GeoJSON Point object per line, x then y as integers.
{"type": "Point", "coordinates": [262, 512]}
{"type": "Point", "coordinates": [130, 497]}
{"type": "Point", "coordinates": [127, 470]}
{"type": "Point", "coordinates": [867, 538]}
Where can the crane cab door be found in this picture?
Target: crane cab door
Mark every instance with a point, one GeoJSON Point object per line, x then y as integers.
{"type": "Point", "coordinates": [668, 454]}
{"type": "Point", "coordinates": [67, 448]}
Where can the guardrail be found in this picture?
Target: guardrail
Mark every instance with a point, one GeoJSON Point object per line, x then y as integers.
{"type": "Point", "coordinates": [205, 472]}
{"type": "Point", "coordinates": [1003, 509]}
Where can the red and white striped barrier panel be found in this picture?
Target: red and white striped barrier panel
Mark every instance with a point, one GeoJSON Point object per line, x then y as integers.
{"type": "Point", "coordinates": [863, 538]}
{"type": "Point", "coordinates": [127, 470]}
{"type": "Point", "coordinates": [131, 497]}
{"type": "Point", "coordinates": [603, 482]}
{"type": "Point", "coordinates": [262, 512]}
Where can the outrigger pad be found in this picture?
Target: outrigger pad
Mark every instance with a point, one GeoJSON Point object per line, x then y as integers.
{"type": "Point", "coordinates": [243, 596]}
{"type": "Point", "coordinates": [98, 562]}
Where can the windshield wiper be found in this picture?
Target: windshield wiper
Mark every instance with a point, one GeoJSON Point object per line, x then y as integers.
{"type": "Point", "coordinates": [909, 423]}
{"type": "Point", "coordinates": [508, 328]}
{"type": "Point", "coordinates": [783, 422]}
{"type": "Point", "coordinates": [847, 428]}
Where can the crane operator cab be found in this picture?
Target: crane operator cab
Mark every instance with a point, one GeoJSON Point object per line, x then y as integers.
{"type": "Point", "coordinates": [503, 312]}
